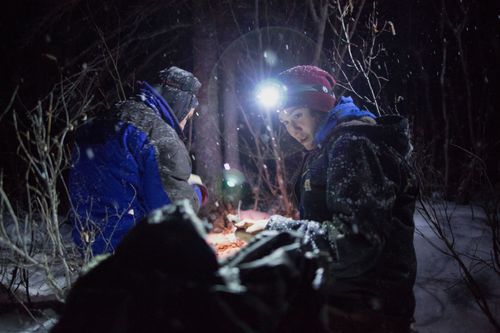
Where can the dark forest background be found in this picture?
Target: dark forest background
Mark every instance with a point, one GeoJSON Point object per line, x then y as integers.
{"type": "Point", "coordinates": [435, 62]}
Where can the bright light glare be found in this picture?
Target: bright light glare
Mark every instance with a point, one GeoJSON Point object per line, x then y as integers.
{"type": "Point", "coordinates": [269, 94]}
{"type": "Point", "coordinates": [233, 177]}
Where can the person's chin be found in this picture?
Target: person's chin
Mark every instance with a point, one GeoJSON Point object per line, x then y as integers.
{"type": "Point", "coordinates": [308, 144]}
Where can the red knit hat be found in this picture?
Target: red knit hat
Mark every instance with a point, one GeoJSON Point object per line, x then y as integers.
{"type": "Point", "coordinates": [308, 86]}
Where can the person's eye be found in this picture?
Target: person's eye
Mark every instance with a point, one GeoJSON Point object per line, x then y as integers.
{"type": "Point", "coordinates": [298, 115]}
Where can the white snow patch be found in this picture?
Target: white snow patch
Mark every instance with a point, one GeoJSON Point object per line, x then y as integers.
{"type": "Point", "coordinates": [443, 302]}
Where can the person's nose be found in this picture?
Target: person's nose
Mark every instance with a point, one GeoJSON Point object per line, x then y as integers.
{"type": "Point", "coordinates": [296, 127]}
{"type": "Point", "coordinates": [295, 131]}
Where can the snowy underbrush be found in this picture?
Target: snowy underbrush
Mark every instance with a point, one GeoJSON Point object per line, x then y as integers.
{"type": "Point", "coordinates": [37, 263]}
{"type": "Point", "coordinates": [458, 284]}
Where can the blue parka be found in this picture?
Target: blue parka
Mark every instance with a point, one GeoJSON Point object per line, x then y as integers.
{"type": "Point", "coordinates": [126, 164]}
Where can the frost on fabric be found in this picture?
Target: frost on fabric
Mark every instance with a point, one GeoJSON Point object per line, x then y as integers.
{"type": "Point", "coordinates": [314, 233]}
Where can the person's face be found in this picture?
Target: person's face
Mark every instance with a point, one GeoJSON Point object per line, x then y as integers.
{"type": "Point", "coordinates": [183, 122]}
{"type": "Point", "coordinates": [300, 124]}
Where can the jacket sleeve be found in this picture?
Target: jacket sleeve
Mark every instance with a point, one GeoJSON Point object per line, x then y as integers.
{"type": "Point", "coordinates": [173, 165]}
{"type": "Point", "coordinates": [162, 179]}
{"type": "Point", "coordinates": [155, 195]}
{"type": "Point", "coordinates": [359, 197]}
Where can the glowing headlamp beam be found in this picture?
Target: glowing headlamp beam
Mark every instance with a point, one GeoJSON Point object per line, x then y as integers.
{"type": "Point", "coordinates": [270, 94]}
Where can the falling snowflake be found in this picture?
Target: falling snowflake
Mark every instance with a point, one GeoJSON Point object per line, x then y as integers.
{"type": "Point", "coordinates": [90, 153]}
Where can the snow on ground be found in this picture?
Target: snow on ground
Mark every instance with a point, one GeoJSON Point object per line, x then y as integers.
{"type": "Point", "coordinates": [17, 322]}
{"type": "Point", "coordinates": [39, 288]}
{"type": "Point", "coordinates": [444, 304]}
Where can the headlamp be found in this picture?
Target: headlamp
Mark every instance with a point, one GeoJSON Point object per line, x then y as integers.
{"type": "Point", "coordinates": [273, 94]}
{"type": "Point", "coordinates": [270, 94]}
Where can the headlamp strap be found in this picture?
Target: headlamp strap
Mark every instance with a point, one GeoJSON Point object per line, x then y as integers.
{"type": "Point", "coordinates": [299, 88]}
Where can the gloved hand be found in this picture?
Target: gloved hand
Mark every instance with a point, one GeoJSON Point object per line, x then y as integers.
{"type": "Point", "coordinates": [194, 179]}
{"type": "Point", "coordinates": [252, 221]}
{"type": "Point", "coordinates": [252, 226]}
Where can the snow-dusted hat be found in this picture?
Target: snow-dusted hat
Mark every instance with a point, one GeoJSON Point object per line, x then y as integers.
{"type": "Point", "coordinates": [308, 86]}
{"type": "Point", "coordinates": [179, 89]}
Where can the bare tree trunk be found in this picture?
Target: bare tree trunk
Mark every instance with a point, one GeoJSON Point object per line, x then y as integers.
{"type": "Point", "coordinates": [429, 117]}
{"type": "Point", "coordinates": [465, 185]}
{"type": "Point", "coordinates": [458, 33]}
{"type": "Point", "coordinates": [206, 141]}
{"type": "Point", "coordinates": [446, 144]}
{"type": "Point", "coordinates": [231, 146]}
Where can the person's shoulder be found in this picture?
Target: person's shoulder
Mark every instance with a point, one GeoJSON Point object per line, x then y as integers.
{"type": "Point", "coordinates": [132, 109]}
{"type": "Point", "coordinates": [141, 116]}
{"type": "Point", "coordinates": [389, 133]}
{"type": "Point", "coordinates": [376, 130]}
{"type": "Point", "coordinates": [351, 131]}
{"type": "Point", "coordinates": [394, 124]}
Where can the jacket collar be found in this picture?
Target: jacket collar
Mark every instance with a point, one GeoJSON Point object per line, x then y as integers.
{"type": "Point", "coordinates": [149, 96]}
{"type": "Point", "coordinates": [345, 110]}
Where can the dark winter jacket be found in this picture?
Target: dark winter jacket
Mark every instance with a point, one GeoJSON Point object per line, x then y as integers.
{"type": "Point", "coordinates": [357, 189]}
{"type": "Point", "coordinates": [125, 165]}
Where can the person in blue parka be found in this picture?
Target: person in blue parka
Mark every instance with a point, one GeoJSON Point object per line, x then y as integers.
{"type": "Point", "coordinates": [132, 160]}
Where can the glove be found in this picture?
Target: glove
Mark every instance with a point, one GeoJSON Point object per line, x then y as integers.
{"type": "Point", "coordinates": [194, 179]}
{"type": "Point", "coordinates": [251, 220]}
{"type": "Point", "coordinates": [252, 226]}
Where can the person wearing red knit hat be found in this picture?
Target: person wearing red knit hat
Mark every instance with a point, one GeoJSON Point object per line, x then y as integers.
{"type": "Point", "coordinates": [356, 190]}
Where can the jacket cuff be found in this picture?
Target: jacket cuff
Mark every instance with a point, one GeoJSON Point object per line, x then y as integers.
{"type": "Point", "coordinates": [197, 190]}
{"type": "Point", "coordinates": [201, 193]}
{"type": "Point", "coordinates": [277, 222]}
